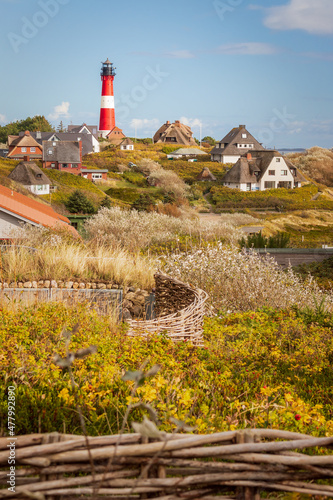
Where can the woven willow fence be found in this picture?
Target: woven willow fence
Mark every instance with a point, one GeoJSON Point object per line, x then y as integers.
{"type": "Point", "coordinates": [179, 309]}
{"type": "Point", "coordinates": [229, 464]}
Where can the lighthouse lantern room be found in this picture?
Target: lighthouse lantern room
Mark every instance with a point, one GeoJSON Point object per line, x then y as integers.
{"type": "Point", "coordinates": [107, 120]}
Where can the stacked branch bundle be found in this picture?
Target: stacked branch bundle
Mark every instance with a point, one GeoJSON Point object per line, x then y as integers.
{"type": "Point", "coordinates": [234, 464]}
{"type": "Point", "coordinates": [179, 309]}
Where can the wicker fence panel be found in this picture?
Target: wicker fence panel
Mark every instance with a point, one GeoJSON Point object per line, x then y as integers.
{"type": "Point", "coordinates": [234, 464]}
{"type": "Point", "coordinates": [179, 309]}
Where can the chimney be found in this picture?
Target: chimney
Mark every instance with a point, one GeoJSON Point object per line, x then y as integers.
{"type": "Point", "coordinates": [27, 132]}
{"type": "Point", "coordinates": [168, 123]}
{"type": "Point", "coordinates": [80, 147]}
{"type": "Point", "coordinates": [249, 156]}
{"type": "Point", "coordinates": [38, 135]}
{"type": "Point", "coordinates": [241, 126]}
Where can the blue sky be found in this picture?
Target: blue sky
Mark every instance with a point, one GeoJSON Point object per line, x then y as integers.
{"type": "Point", "coordinates": [212, 64]}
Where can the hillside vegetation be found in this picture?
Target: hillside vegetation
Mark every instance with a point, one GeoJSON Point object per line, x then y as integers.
{"type": "Point", "coordinates": [316, 163]}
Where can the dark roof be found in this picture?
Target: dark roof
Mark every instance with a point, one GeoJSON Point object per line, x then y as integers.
{"type": "Point", "coordinates": [234, 137]}
{"type": "Point", "coordinates": [87, 144]}
{"type": "Point", "coordinates": [93, 129]}
{"type": "Point", "coordinates": [258, 161]}
{"type": "Point", "coordinates": [29, 174]}
{"type": "Point", "coordinates": [240, 173]}
{"type": "Point", "coordinates": [62, 151]}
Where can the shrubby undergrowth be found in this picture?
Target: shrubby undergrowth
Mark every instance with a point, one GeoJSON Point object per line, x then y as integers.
{"type": "Point", "coordinates": [136, 230]}
{"type": "Point", "coordinates": [241, 281]}
{"type": "Point", "coordinates": [257, 369]}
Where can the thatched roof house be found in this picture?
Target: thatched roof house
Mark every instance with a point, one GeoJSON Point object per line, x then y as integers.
{"type": "Point", "coordinates": [237, 142]}
{"type": "Point", "coordinates": [31, 176]}
{"type": "Point", "coordinates": [264, 169]}
{"type": "Point", "coordinates": [206, 175]}
{"type": "Point", "coordinates": [175, 133]}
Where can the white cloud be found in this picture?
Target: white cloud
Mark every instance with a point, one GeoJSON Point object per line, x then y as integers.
{"type": "Point", "coordinates": [313, 16]}
{"type": "Point", "coordinates": [3, 118]}
{"type": "Point", "coordinates": [191, 122]}
{"type": "Point", "coordinates": [180, 54]}
{"type": "Point", "coordinates": [60, 111]}
{"type": "Point", "coordinates": [144, 123]}
{"type": "Point", "coordinates": [247, 48]}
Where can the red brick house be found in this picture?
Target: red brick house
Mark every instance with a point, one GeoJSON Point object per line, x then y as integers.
{"type": "Point", "coordinates": [94, 174]}
{"type": "Point", "coordinates": [116, 136]}
{"type": "Point", "coordinates": [24, 147]}
{"type": "Point", "coordinates": [63, 155]}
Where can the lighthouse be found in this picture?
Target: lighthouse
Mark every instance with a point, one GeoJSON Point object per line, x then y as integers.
{"type": "Point", "coordinates": [107, 120]}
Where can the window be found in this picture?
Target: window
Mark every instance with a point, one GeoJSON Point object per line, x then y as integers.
{"type": "Point", "coordinates": [40, 188]}
{"type": "Point", "coordinates": [52, 165]}
{"type": "Point", "coordinates": [96, 176]}
{"type": "Point", "coordinates": [23, 150]}
{"type": "Point", "coordinates": [269, 184]}
{"type": "Point", "coordinates": [278, 159]}
{"type": "Point", "coordinates": [64, 165]}
{"type": "Point", "coordinates": [244, 136]}
{"type": "Point", "coordinates": [271, 172]}
{"type": "Point", "coordinates": [284, 172]}
{"type": "Point", "coordinates": [74, 165]}
{"type": "Point", "coordinates": [49, 151]}
{"type": "Point", "coordinates": [32, 150]}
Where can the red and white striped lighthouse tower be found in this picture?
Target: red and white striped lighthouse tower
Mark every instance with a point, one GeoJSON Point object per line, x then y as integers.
{"type": "Point", "coordinates": [107, 120]}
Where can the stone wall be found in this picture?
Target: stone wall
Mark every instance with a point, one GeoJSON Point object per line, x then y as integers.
{"type": "Point", "coordinates": [134, 299]}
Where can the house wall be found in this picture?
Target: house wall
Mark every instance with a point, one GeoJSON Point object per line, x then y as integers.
{"type": "Point", "coordinates": [8, 223]}
{"type": "Point", "coordinates": [278, 166]}
{"type": "Point", "coordinates": [95, 176]}
{"type": "Point", "coordinates": [59, 166]}
{"type": "Point", "coordinates": [39, 189]}
{"type": "Point", "coordinates": [230, 159]}
{"type": "Point", "coordinates": [28, 154]}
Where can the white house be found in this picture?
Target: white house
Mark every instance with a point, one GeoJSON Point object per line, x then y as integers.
{"type": "Point", "coordinates": [31, 176]}
{"type": "Point", "coordinates": [260, 170]}
{"type": "Point", "coordinates": [237, 142]}
{"type": "Point", "coordinates": [127, 145]}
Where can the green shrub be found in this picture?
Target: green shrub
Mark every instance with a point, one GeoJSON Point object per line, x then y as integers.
{"type": "Point", "coordinates": [77, 202]}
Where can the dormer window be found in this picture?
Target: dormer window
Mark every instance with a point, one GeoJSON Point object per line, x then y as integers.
{"type": "Point", "coordinates": [39, 176]}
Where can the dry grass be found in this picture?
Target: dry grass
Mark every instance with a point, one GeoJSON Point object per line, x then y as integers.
{"type": "Point", "coordinates": [316, 163]}
{"type": "Point", "coordinates": [70, 261]}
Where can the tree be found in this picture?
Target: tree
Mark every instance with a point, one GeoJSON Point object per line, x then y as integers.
{"type": "Point", "coordinates": [209, 139]}
{"type": "Point", "coordinates": [77, 202]}
{"type": "Point", "coordinates": [38, 122]}
{"type": "Point", "coordinates": [106, 202]}
{"type": "Point", "coordinates": [61, 128]}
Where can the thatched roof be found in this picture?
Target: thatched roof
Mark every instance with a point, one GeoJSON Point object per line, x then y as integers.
{"type": "Point", "coordinates": [127, 142]}
{"type": "Point", "coordinates": [175, 133]}
{"type": "Point", "coordinates": [29, 174]}
{"type": "Point", "coordinates": [252, 166]}
{"type": "Point", "coordinates": [206, 175]}
{"type": "Point", "coordinates": [25, 140]}
{"type": "Point", "coordinates": [228, 145]}
{"type": "Point", "coordinates": [188, 152]}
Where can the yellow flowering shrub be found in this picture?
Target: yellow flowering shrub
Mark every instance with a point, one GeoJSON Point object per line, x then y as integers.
{"type": "Point", "coordinates": [264, 368]}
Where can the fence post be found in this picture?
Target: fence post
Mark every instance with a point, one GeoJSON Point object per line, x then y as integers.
{"type": "Point", "coordinates": [250, 493]}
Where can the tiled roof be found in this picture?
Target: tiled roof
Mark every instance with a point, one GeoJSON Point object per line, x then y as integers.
{"type": "Point", "coordinates": [87, 144]}
{"type": "Point", "coordinates": [31, 210]}
{"type": "Point", "coordinates": [61, 151]}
